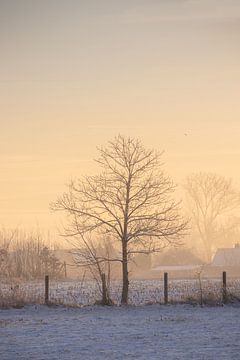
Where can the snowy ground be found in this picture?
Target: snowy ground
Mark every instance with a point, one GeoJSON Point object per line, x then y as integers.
{"type": "Point", "coordinates": [143, 332]}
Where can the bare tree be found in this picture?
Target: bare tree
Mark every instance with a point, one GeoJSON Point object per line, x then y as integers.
{"type": "Point", "coordinates": [228, 232]}
{"type": "Point", "coordinates": [95, 255]}
{"type": "Point", "coordinates": [209, 196]}
{"type": "Point", "coordinates": [130, 201]}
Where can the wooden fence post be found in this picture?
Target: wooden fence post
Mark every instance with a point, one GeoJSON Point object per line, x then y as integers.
{"type": "Point", "coordinates": [165, 288]}
{"type": "Point", "coordinates": [46, 289]}
{"type": "Point", "coordinates": [224, 287]}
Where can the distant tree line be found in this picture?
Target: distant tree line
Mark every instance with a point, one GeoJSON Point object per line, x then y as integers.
{"type": "Point", "coordinates": [27, 256]}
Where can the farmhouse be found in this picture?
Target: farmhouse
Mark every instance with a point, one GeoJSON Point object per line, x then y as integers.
{"type": "Point", "coordinates": [227, 257]}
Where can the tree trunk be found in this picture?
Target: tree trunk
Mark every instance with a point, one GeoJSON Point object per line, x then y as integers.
{"type": "Point", "coordinates": [104, 290]}
{"type": "Point", "coordinates": [208, 246]}
{"type": "Point", "coordinates": [124, 299]}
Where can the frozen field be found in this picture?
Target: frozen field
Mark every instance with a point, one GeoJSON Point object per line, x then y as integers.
{"type": "Point", "coordinates": [144, 332]}
{"type": "Point", "coordinates": [140, 292]}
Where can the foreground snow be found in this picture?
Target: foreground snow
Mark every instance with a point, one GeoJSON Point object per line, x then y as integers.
{"type": "Point", "coordinates": [144, 332]}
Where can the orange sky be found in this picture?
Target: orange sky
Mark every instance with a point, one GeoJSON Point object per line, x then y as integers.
{"type": "Point", "coordinates": [75, 73]}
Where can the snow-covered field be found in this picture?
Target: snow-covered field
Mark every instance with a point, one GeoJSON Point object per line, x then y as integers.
{"type": "Point", "coordinates": [141, 291]}
{"type": "Point", "coordinates": [180, 332]}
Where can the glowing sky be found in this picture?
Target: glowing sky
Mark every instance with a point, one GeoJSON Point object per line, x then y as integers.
{"type": "Point", "coordinates": [74, 73]}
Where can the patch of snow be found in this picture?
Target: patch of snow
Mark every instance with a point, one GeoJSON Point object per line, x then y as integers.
{"type": "Point", "coordinates": [144, 332]}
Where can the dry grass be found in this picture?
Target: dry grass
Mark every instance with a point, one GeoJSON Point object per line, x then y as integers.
{"type": "Point", "coordinates": [17, 297]}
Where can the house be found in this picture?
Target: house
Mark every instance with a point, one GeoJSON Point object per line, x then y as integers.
{"type": "Point", "coordinates": [227, 257]}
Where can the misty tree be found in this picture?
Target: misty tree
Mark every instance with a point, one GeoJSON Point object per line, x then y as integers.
{"type": "Point", "coordinates": [49, 263]}
{"type": "Point", "coordinates": [228, 232]}
{"type": "Point", "coordinates": [209, 197]}
{"type": "Point", "coordinates": [129, 201]}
